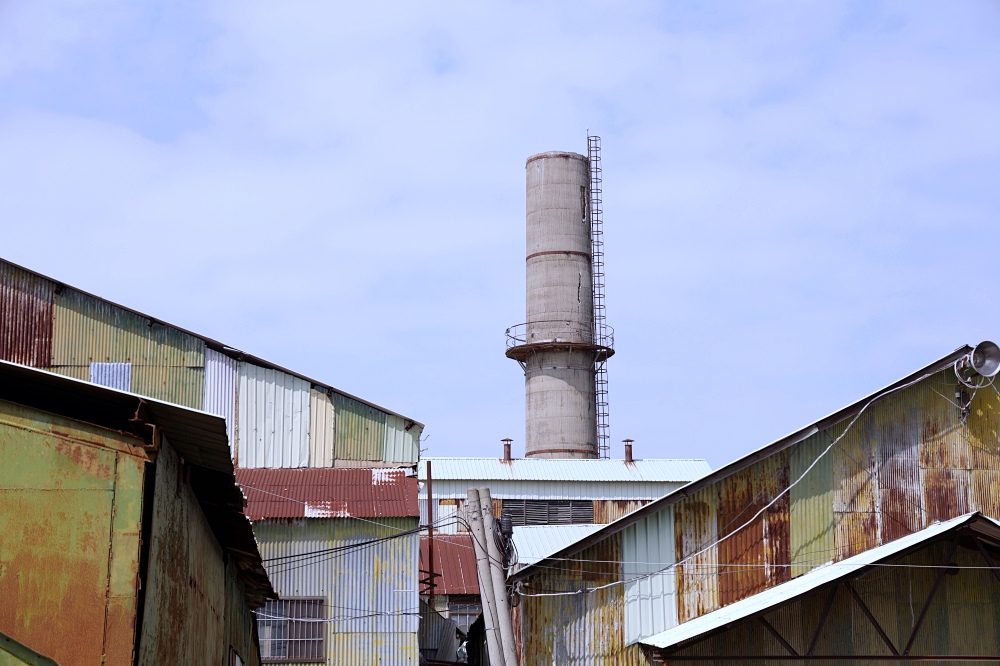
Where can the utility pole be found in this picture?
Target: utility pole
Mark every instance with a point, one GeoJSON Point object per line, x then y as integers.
{"type": "Point", "coordinates": [475, 516]}
{"type": "Point", "coordinates": [499, 579]}
{"type": "Point", "coordinates": [430, 538]}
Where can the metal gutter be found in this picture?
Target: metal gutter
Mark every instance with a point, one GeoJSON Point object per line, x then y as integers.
{"type": "Point", "coordinates": [741, 463]}
{"type": "Point", "coordinates": [216, 345]}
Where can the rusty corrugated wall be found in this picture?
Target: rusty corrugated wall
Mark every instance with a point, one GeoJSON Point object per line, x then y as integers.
{"type": "Point", "coordinates": [584, 629]}
{"type": "Point", "coordinates": [69, 536]}
{"type": "Point", "coordinates": [188, 589]}
{"type": "Point", "coordinates": [909, 460]}
{"type": "Point", "coordinates": [25, 316]}
{"type": "Point", "coordinates": [608, 511]}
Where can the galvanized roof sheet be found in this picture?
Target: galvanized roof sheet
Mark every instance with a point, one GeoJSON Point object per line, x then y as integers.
{"type": "Point", "coordinates": [535, 469]}
{"type": "Point", "coordinates": [818, 577]}
{"type": "Point", "coordinates": [328, 493]}
{"type": "Point", "coordinates": [536, 542]}
{"type": "Point", "coordinates": [455, 560]}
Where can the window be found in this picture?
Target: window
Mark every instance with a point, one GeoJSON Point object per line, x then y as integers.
{"type": "Point", "coordinates": [549, 512]}
{"type": "Point", "coordinates": [464, 609]}
{"type": "Point", "coordinates": [292, 630]}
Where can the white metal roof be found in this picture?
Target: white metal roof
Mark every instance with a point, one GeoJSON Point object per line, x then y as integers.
{"type": "Point", "coordinates": [536, 542]}
{"type": "Point", "coordinates": [534, 469]}
{"type": "Point", "coordinates": [808, 582]}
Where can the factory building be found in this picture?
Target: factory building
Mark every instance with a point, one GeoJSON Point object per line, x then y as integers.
{"type": "Point", "coordinates": [341, 547]}
{"type": "Point", "coordinates": [122, 534]}
{"type": "Point", "coordinates": [275, 417]}
{"type": "Point", "coordinates": [869, 534]}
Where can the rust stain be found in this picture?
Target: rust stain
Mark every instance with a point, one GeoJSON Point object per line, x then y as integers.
{"type": "Point", "coordinates": [754, 549]}
{"type": "Point", "coordinates": [25, 317]}
{"type": "Point", "coordinates": [88, 460]}
{"type": "Point", "coordinates": [608, 511]}
{"type": "Point", "coordinates": [695, 527]}
{"type": "Point", "coordinates": [945, 493]}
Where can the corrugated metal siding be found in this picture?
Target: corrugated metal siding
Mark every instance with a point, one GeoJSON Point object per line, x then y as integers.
{"type": "Point", "coordinates": [360, 430]}
{"type": "Point", "coordinates": [604, 491]}
{"type": "Point", "coordinates": [756, 548]}
{"type": "Point", "coordinates": [656, 470]}
{"type": "Point", "coordinates": [372, 591]}
{"type": "Point", "coordinates": [25, 317]}
{"type": "Point", "coordinates": [72, 500]}
{"type": "Point", "coordinates": [651, 601]}
{"type": "Point", "coordinates": [584, 629]}
{"type": "Point", "coordinates": [241, 625]}
{"type": "Point", "coordinates": [696, 528]}
{"type": "Point", "coordinates": [220, 391]}
{"type": "Point", "coordinates": [167, 364]}
{"type": "Point", "coordinates": [113, 375]}
{"type": "Point", "coordinates": [455, 560]}
{"type": "Point", "coordinates": [811, 504]}
{"type": "Point", "coordinates": [273, 418]}
{"type": "Point", "coordinates": [608, 511]}
{"type": "Point", "coordinates": [401, 445]}
{"type": "Point", "coordinates": [322, 429]}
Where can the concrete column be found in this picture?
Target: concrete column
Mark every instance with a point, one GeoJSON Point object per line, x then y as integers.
{"type": "Point", "coordinates": [475, 516]}
{"type": "Point", "coordinates": [499, 579]}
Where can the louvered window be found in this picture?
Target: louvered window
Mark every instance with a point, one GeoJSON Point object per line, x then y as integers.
{"type": "Point", "coordinates": [292, 630]}
{"type": "Point", "coordinates": [549, 512]}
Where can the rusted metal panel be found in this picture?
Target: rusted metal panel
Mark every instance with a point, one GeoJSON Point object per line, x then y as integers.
{"type": "Point", "coordinates": [360, 430]}
{"type": "Point", "coordinates": [579, 628]}
{"type": "Point", "coordinates": [608, 511]}
{"type": "Point", "coordinates": [753, 550]}
{"type": "Point", "coordinates": [371, 588]}
{"type": "Point", "coordinates": [273, 418]}
{"type": "Point", "coordinates": [328, 493]}
{"type": "Point", "coordinates": [650, 587]}
{"type": "Point", "coordinates": [241, 625]}
{"type": "Point", "coordinates": [220, 391]}
{"type": "Point", "coordinates": [696, 529]}
{"type": "Point", "coordinates": [855, 489]}
{"type": "Point", "coordinates": [322, 429]}
{"type": "Point", "coordinates": [184, 612]}
{"type": "Point", "coordinates": [25, 316]}
{"type": "Point", "coordinates": [945, 492]}
{"type": "Point", "coordinates": [72, 500]}
{"type": "Point", "coordinates": [811, 521]}
{"type": "Point", "coordinates": [454, 560]}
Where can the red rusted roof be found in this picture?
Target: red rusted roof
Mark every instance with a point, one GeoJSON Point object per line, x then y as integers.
{"type": "Point", "coordinates": [328, 493]}
{"type": "Point", "coordinates": [455, 560]}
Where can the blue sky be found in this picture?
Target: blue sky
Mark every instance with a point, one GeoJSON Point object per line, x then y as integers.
{"type": "Point", "coordinates": [800, 198]}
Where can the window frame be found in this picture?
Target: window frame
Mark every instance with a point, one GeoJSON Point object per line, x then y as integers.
{"type": "Point", "coordinates": [321, 603]}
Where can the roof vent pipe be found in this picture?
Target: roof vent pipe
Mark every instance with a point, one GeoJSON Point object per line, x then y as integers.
{"type": "Point", "coordinates": [506, 448]}
{"type": "Point", "coordinates": [628, 450]}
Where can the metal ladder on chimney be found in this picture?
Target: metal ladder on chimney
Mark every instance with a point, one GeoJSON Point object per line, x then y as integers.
{"type": "Point", "coordinates": [600, 319]}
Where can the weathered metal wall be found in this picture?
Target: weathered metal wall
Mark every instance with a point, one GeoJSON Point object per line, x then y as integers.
{"type": "Point", "coordinates": [754, 550]}
{"type": "Point", "coordinates": [25, 317]}
{"type": "Point", "coordinates": [583, 629]}
{"type": "Point", "coordinates": [608, 511]}
{"type": "Point", "coordinates": [71, 498]}
{"type": "Point", "coordinates": [650, 590]}
{"type": "Point", "coordinates": [322, 429]}
{"type": "Point", "coordinates": [696, 530]}
{"type": "Point", "coordinates": [360, 430]}
{"type": "Point", "coordinates": [273, 418]}
{"type": "Point", "coordinates": [188, 590]}
{"type": "Point", "coordinates": [241, 625]}
{"type": "Point", "coordinates": [220, 390]}
{"type": "Point", "coordinates": [371, 589]}
{"type": "Point", "coordinates": [811, 522]}
{"type": "Point", "coordinates": [963, 619]}
{"type": "Point", "coordinates": [113, 375]}
{"type": "Point", "coordinates": [167, 364]}
{"type": "Point", "coordinates": [402, 443]}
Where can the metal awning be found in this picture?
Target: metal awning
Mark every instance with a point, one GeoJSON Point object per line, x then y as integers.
{"type": "Point", "coordinates": [983, 527]}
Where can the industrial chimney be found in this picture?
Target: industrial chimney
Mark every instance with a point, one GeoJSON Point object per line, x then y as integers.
{"type": "Point", "coordinates": [565, 342]}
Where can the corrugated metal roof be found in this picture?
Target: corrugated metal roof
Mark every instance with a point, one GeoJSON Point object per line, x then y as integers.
{"type": "Point", "coordinates": [749, 459]}
{"type": "Point", "coordinates": [536, 542]}
{"type": "Point", "coordinates": [816, 578]}
{"type": "Point", "coordinates": [455, 560]}
{"type": "Point", "coordinates": [529, 469]}
{"type": "Point", "coordinates": [328, 493]}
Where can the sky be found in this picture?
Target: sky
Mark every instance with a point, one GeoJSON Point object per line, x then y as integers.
{"type": "Point", "coordinates": [800, 197]}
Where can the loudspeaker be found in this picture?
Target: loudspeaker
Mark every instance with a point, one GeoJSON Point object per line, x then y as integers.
{"type": "Point", "coordinates": [985, 358]}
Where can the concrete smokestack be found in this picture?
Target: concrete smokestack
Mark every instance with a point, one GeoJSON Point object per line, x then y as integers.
{"type": "Point", "coordinates": [556, 345]}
